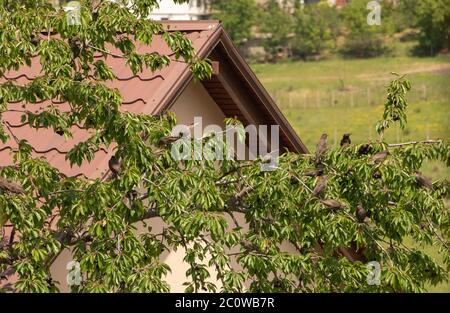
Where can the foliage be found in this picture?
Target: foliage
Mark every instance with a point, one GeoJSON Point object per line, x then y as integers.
{"type": "Point", "coordinates": [395, 106]}
{"type": "Point", "coordinates": [315, 26]}
{"type": "Point", "coordinates": [276, 24]}
{"type": "Point", "coordinates": [433, 20]}
{"type": "Point", "coordinates": [402, 15]}
{"type": "Point", "coordinates": [238, 17]}
{"type": "Point", "coordinates": [199, 200]}
{"type": "Point", "coordinates": [362, 40]}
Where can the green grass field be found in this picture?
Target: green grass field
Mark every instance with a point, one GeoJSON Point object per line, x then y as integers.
{"type": "Point", "coordinates": [339, 96]}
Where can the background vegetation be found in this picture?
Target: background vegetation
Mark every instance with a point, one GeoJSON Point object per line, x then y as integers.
{"type": "Point", "coordinates": [319, 30]}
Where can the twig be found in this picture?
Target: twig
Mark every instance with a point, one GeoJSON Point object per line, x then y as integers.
{"type": "Point", "coordinates": [413, 143]}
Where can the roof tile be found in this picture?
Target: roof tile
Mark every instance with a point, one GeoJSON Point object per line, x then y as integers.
{"type": "Point", "coordinates": [141, 93]}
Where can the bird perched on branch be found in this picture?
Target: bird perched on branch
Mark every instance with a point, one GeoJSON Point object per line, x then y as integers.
{"type": "Point", "coordinates": [332, 204]}
{"type": "Point", "coordinates": [321, 147]}
{"type": "Point", "coordinates": [166, 140]}
{"type": "Point", "coordinates": [320, 186]}
{"type": "Point", "coordinates": [422, 180]}
{"type": "Point", "coordinates": [314, 173]}
{"type": "Point", "coordinates": [131, 195]}
{"type": "Point", "coordinates": [184, 133]}
{"type": "Point", "coordinates": [115, 165]}
{"type": "Point", "coordinates": [379, 157]}
{"type": "Point", "coordinates": [376, 174]}
{"type": "Point", "coordinates": [361, 213]}
{"type": "Point", "coordinates": [345, 141]}
{"type": "Point", "coordinates": [10, 186]}
{"type": "Point", "coordinates": [365, 149]}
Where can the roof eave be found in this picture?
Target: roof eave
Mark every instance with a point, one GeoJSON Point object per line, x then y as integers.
{"type": "Point", "coordinates": [257, 87]}
{"type": "Point", "coordinates": [220, 36]}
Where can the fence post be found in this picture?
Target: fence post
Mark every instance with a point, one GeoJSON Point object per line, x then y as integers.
{"type": "Point", "coordinates": [335, 136]}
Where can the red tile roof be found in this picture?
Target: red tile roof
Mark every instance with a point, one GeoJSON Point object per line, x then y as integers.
{"type": "Point", "coordinates": [147, 93]}
{"type": "Point", "coordinates": [143, 93]}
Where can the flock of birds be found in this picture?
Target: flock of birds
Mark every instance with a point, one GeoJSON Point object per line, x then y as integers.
{"type": "Point", "coordinates": [322, 179]}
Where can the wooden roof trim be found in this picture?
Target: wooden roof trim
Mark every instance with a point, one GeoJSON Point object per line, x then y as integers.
{"type": "Point", "coordinates": [186, 76]}
{"type": "Point", "coordinates": [241, 65]}
{"type": "Point", "coordinates": [220, 37]}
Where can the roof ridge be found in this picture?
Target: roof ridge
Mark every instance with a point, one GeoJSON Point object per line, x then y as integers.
{"type": "Point", "coordinates": [179, 25]}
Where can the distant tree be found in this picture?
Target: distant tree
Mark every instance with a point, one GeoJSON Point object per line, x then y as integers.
{"type": "Point", "coordinates": [433, 21]}
{"type": "Point", "coordinates": [277, 24]}
{"type": "Point", "coordinates": [237, 17]}
{"type": "Point", "coordinates": [316, 27]}
{"type": "Point", "coordinates": [403, 15]}
{"type": "Point", "coordinates": [362, 40]}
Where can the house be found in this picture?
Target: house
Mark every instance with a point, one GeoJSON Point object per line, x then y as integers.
{"type": "Point", "coordinates": [168, 10]}
{"type": "Point", "coordinates": [193, 10]}
{"type": "Point", "coordinates": [338, 3]}
{"type": "Point", "coordinates": [233, 91]}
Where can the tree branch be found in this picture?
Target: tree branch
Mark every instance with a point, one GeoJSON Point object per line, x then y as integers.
{"type": "Point", "coordinates": [413, 143]}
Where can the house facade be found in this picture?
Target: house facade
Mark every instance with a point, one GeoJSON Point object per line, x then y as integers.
{"type": "Point", "coordinates": [191, 11]}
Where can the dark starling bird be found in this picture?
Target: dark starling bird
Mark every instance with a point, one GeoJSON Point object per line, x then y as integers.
{"type": "Point", "coordinates": [361, 213]}
{"type": "Point", "coordinates": [321, 146]}
{"type": "Point", "coordinates": [345, 141]}
{"type": "Point", "coordinates": [131, 195]}
{"type": "Point", "coordinates": [365, 149]}
{"type": "Point", "coordinates": [332, 204]}
{"type": "Point", "coordinates": [422, 180]}
{"type": "Point", "coordinates": [314, 173]}
{"type": "Point", "coordinates": [379, 157]}
{"type": "Point", "coordinates": [59, 131]}
{"type": "Point", "coordinates": [114, 165]}
{"type": "Point", "coordinates": [376, 175]}
{"type": "Point", "coordinates": [320, 167]}
{"type": "Point", "coordinates": [320, 186]}
{"type": "Point", "coordinates": [294, 180]}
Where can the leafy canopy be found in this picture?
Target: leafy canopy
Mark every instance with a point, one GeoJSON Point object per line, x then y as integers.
{"type": "Point", "coordinates": [370, 209]}
{"type": "Point", "coordinates": [237, 17]}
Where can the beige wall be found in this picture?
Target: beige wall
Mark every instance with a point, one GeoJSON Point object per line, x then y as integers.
{"type": "Point", "coordinates": [195, 101]}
